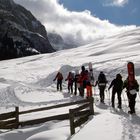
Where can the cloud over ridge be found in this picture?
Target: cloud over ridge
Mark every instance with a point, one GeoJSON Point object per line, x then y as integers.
{"type": "Point", "coordinates": [79, 27]}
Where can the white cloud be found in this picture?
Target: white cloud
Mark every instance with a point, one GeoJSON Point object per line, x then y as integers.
{"type": "Point", "coordinates": [79, 27]}
{"type": "Point", "coordinates": [118, 3]}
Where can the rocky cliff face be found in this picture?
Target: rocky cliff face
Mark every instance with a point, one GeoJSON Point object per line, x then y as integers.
{"type": "Point", "coordinates": [21, 34]}
{"type": "Point", "coordinates": [59, 43]}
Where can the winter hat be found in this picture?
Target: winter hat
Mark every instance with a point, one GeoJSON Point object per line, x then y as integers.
{"type": "Point", "coordinates": [118, 76]}
{"type": "Point", "coordinates": [83, 68]}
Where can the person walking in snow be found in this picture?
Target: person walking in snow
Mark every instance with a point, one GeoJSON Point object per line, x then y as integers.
{"type": "Point", "coordinates": [59, 78]}
{"type": "Point", "coordinates": [76, 83]}
{"type": "Point", "coordinates": [82, 80]}
{"type": "Point", "coordinates": [70, 79]}
{"type": "Point", "coordinates": [89, 89]}
{"type": "Point", "coordinates": [131, 89]}
{"type": "Point", "coordinates": [101, 82]}
{"type": "Point", "coordinates": [91, 77]}
{"type": "Point", "coordinates": [117, 86]}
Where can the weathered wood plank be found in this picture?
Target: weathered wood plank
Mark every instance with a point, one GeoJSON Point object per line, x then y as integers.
{"type": "Point", "coordinates": [80, 108]}
{"type": "Point", "coordinates": [7, 115]}
{"type": "Point", "coordinates": [55, 106]}
{"type": "Point", "coordinates": [9, 126]}
{"type": "Point", "coordinates": [81, 113]}
{"type": "Point", "coordinates": [42, 120]}
{"type": "Point", "coordinates": [81, 120]}
{"type": "Point", "coordinates": [71, 118]}
{"type": "Point", "coordinates": [83, 117]}
{"type": "Point", "coordinates": [2, 123]}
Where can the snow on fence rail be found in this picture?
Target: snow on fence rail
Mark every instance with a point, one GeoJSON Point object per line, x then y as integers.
{"type": "Point", "coordinates": [11, 120]}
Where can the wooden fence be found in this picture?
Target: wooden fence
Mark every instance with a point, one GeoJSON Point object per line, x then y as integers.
{"type": "Point", "coordinates": [9, 120]}
{"type": "Point", "coordinates": [12, 119]}
{"type": "Point", "coordinates": [82, 118]}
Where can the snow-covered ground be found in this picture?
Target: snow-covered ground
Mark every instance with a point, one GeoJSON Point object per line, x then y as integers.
{"type": "Point", "coordinates": [28, 83]}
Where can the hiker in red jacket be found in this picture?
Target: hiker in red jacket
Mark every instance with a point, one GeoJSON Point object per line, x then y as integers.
{"type": "Point", "coordinates": [83, 80]}
{"type": "Point", "coordinates": [70, 79]}
{"type": "Point", "coordinates": [89, 89]}
{"type": "Point", "coordinates": [59, 78]}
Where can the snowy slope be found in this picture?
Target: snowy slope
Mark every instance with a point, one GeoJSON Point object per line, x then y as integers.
{"type": "Point", "coordinates": [28, 82]}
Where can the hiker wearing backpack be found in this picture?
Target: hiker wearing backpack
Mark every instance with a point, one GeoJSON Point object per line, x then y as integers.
{"type": "Point", "coordinates": [132, 87]}
{"type": "Point", "coordinates": [82, 80]}
{"type": "Point", "coordinates": [117, 85]}
{"type": "Point", "coordinates": [59, 78]}
{"type": "Point", "coordinates": [101, 82]}
{"type": "Point", "coordinates": [70, 79]}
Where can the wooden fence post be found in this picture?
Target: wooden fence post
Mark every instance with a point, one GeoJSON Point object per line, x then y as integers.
{"type": "Point", "coordinates": [71, 117]}
{"type": "Point", "coordinates": [91, 105]}
{"type": "Point", "coordinates": [17, 116]}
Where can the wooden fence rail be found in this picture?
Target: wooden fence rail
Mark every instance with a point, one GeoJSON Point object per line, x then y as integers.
{"type": "Point", "coordinates": [12, 119]}
{"type": "Point", "coordinates": [9, 120]}
{"type": "Point", "coordinates": [82, 117]}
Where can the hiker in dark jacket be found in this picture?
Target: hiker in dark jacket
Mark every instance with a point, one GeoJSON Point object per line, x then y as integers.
{"type": "Point", "coordinates": [132, 89]}
{"type": "Point", "coordinates": [117, 85]}
{"type": "Point", "coordinates": [76, 82]}
{"type": "Point", "coordinates": [102, 85]}
{"type": "Point", "coordinates": [59, 78]}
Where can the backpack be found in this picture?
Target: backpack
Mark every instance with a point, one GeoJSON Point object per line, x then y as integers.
{"type": "Point", "coordinates": [60, 76]}
{"type": "Point", "coordinates": [102, 78]}
{"type": "Point", "coordinates": [73, 75]}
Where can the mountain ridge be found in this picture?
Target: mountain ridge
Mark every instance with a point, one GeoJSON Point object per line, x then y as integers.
{"type": "Point", "coordinates": [21, 34]}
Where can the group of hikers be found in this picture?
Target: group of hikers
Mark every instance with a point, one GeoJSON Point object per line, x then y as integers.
{"type": "Point", "coordinates": [85, 80]}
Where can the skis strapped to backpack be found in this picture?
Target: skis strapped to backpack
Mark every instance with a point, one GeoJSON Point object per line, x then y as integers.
{"type": "Point", "coordinates": [90, 66]}
{"type": "Point", "coordinates": [91, 73]}
{"type": "Point", "coordinates": [131, 72]}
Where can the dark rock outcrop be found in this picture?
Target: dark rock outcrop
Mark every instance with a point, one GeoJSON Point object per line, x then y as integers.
{"type": "Point", "coordinates": [21, 34]}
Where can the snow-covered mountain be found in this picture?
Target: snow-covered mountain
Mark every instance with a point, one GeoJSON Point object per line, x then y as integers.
{"type": "Point", "coordinates": [59, 43]}
{"type": "Point", "coordinates": [21, 34]}
{"type": "Point", "coordinates": [28, 82]}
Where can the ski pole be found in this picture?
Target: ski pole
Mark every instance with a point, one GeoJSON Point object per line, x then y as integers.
{"type": "Point", "coordinates": [95, 95]}
{"type": "Point", "coordinates": [124, 101]}
{"type": "Point", "coordinates": [139, 94]}
{"type": "Point", "coordinates": [108, 93]}
{"type": "Point", "coordinates": [109, 96]}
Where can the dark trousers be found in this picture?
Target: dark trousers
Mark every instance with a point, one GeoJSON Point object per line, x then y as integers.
{"type": "Point", "coordinates": [70, 87]}
{"type": "Point", "coordinates": [132, 101]}
{"type": "Point", "coordinates": [119, 97]}
{"type": "Point", "coordinates": [59, 85]}
{"type": "Point", "coordinates": [81, 91]}
{"type": "Point", "coordinates": [102, 94]}
{"type": "Point", "coordinates": [75, 85]}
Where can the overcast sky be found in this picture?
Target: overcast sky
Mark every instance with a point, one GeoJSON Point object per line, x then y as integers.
{"type": "Point", "coordinates": [74, 20]}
